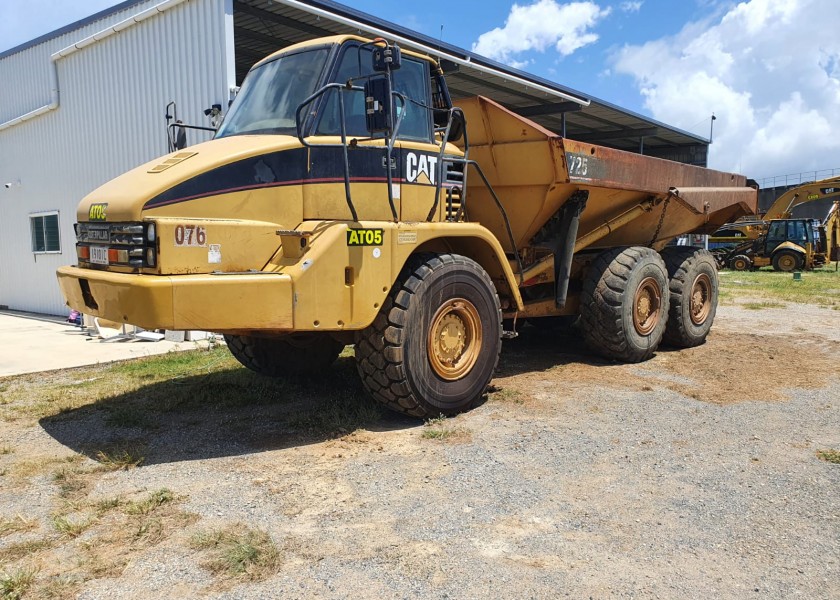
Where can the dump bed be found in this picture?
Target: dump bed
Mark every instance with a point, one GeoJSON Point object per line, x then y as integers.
{"type": "Point", "coordinates": [534, 172]}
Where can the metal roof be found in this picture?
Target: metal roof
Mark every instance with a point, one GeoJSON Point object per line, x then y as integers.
{"type": "Point", "coordinates": [264, 26]}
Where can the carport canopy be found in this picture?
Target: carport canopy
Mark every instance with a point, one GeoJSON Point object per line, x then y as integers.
{"type": "Point", "coordinates": [262, 27]}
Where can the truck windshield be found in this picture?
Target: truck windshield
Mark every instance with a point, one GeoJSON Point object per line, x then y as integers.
{"type": "Point", "coordinates": [272, 92]}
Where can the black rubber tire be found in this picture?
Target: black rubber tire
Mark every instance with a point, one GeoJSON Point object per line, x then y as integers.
{"type": "Point", "coordinates": [392, 354]}
{"type": "Point", "coordinates": [293, 354]}
{"type": "Point", "coordinates": [607, 299]}
{"type": "Point", "coordinates": [779, 264]}
{"type": "Point", "coordinates": [740, 262]}
{"type": "Point", "coordinates": [686, 268]}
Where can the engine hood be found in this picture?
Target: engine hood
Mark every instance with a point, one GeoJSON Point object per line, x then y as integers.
{"type": "Point", "coordinates": [126, 197]}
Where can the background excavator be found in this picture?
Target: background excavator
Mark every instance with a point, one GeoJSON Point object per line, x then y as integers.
{"type": "Point", "coordinates": [777, 239]}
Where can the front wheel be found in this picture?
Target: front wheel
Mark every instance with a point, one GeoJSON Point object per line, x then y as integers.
{"type": "Point", "coordinates": [740, 262]}
{"type": "Point", "coordinates": [434, 345]}
{"type": "Point", "coordinates": [624, 303]}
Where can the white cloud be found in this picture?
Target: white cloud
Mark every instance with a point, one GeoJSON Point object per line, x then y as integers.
{"type": "Point", "coordinates": [539, 26]}
{"type": "Point", "coordinates": [632, 6]}
{"type": "Point", "coordinates": [768, 73]}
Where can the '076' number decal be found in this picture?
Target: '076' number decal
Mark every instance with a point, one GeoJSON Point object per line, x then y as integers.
{"type": "Point", "coordinates": [190, 235]}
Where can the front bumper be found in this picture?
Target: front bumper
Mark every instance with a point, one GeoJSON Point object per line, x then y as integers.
{"type": "Point", "coordinates": [223, 302]}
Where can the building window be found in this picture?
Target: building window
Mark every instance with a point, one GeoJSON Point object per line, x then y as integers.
{"type": "Point", "coordinates": [44, 228]}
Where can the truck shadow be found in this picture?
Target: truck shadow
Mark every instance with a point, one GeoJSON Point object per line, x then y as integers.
{"type": "Point", "coordinates": [543, 348]}
{"type": "Point", "coordinates": [222, 413]}
{"type": "Point", "coordinates": [234, 412]}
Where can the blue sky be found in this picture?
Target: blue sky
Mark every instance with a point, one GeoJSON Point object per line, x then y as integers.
{"type": "Point", "coordinates": [770, 76]}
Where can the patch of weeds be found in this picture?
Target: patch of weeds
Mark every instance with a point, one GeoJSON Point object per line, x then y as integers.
{"type": "Point", "coordinates": [762, 305]}
{"type": "Point", "coordinates": [60, 586]}
{"type": "Point", "coordinates": [16, 525]}
{"type": "Point", "coordinates": [107, 504]}
{"type": "Point", "coordinates": [37, 466]}
{"type": "Point", "coordinates": [71, 483]}
{"type": "Point", "coordinates": [70, 528]}
{"type": "Point", "coordinates": [334, 413]}
{"type": "Point", "coordinates": [830, 456]}
{"type": "Point", "coordinates": [505, 395]}
{"type": "Point", "coordinates": [6, 449]}
{"type": "Point", "coordinates": [238, 552]}
{"type": "Point", "coordinates": [13, 585]}
{"type": "Point", "coordinates": [21, 550]}
{"type": "Point", "coordinates": [120, 458]}
{"type": "Point", "coordinates": [150, 503]}
{"type": "Point", "coordinates": [439, 429]}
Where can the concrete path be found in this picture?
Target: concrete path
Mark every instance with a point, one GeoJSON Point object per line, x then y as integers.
{"type": "Point", "coordinates": [33, 343]}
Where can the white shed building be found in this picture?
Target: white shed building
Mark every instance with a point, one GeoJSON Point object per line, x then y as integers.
{"type": "Point", "coordinates": [87, 102]}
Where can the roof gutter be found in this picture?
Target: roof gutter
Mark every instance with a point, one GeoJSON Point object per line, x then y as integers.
{"type": "Point", "coordinates": [463, 61]}
{"type": "Point", "coordinates": [84, 43]}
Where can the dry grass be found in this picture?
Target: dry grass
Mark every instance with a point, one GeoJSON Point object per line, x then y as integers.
{"type": "Point", "coordinates": [120, 458]}
{"type": "Point", "coordinates": [831, 456]}
{"type": "Point", "coordinates": [238, 552]}
{"type": "Point", "coordinates": [15, 583]}
{"type": "Point", "coordinates": [507, 395]}
{"type": "Point", "coordinates": [17, 524]}
{"type": "Point", "coordinates": [440, 428]}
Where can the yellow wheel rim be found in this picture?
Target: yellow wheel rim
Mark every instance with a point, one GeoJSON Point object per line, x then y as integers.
{"type": "Point", "coordinates": [454, 339]}
{"type": "Point", "coordinates": [701, 299]}
{"type": "Point", "coordinates": [787, 262]}
{"type": "Point", "coordinates": [646, 306]}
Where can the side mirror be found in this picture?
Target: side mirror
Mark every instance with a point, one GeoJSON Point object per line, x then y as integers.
{"type": "Point", "coordinates": [181, 138]}
{"type": "Point", "coordinates": [456, 130]}
{"type": "Point", "coordinates": [379, 116]}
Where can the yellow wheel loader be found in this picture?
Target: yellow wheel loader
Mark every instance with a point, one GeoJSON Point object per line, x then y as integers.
{"type": "Point", "coordinates": [345, 200]}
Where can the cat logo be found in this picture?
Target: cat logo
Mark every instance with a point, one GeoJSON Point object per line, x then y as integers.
{"type": "Point", "coordinates": [97, 212]}
{"type": "Point", "coordinates": [420, 168]}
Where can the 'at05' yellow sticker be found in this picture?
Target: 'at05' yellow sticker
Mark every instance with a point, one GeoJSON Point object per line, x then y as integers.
{"type": "Point", "coordinates": [364, 237]}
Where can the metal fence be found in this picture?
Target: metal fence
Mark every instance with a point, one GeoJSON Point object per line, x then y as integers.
{"type": "Point", "coordinates": [797, 178]}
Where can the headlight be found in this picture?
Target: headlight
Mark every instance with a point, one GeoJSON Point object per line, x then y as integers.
{"type": "Point", "coordinates": [150, 257]}
{"type": "Point", "coordinates": [150, 232]}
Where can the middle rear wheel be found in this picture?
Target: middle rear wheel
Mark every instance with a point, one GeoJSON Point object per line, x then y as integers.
{"type": "Point", "coordinates": [624, 303]}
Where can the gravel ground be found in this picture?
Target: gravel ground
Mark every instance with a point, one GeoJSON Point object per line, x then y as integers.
{"type": "Point", "coordinates": [576, 479]}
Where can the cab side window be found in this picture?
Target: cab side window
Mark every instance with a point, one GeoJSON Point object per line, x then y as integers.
{"type": "Point", "coordinates": [411, 81]}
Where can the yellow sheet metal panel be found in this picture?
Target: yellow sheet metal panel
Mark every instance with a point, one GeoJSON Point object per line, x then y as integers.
{"type": "Point", "coordinates": [126, 196]}
{"type": "Point", "coordinates": [233, 302]}
{"type": "Point", "coordinates": [207, 245]}
{"type": "Point", "coordinates": [144, 300]}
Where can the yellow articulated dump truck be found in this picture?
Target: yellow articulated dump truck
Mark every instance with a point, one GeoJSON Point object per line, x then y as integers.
{"type": "Point", "coordinates": [345, 200]}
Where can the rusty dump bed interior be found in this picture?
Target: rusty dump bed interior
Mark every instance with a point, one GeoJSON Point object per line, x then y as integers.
{"type": "Point", "coordinates": [535, 171]}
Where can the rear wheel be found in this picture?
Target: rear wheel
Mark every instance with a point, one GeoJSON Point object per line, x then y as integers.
{"type": "Point", "coordinates": [693, 283]}
{"type": "Point", "coordinates": [296, 353]}
{"type": "Point", "coordinates": [624, 303]}
{"type": "Point", "coordinates": [787, 261]}
{"type": "Point", "coordinates": [434, 345]}
{"type": "Point", "coordinates": [740, 263]}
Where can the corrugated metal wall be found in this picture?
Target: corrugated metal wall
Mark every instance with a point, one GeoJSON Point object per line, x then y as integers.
{"type": "Point", "coordinates": [113, 95]}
